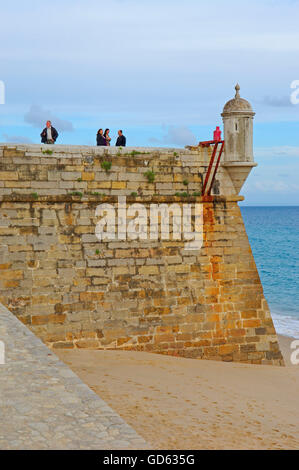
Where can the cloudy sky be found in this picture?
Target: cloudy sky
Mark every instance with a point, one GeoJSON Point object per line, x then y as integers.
{"type": "Point", "coordinates": [160, 70]}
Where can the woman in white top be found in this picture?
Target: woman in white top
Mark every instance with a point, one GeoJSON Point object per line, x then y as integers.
{"type": "Point", "coordinates": [107, 137]}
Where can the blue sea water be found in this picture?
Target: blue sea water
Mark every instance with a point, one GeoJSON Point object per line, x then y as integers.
{"type": "Point", "coordinates": [274, 237]}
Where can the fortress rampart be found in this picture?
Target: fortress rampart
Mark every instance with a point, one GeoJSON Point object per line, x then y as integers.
{"type": "Point", "coordinates": [73, 290]}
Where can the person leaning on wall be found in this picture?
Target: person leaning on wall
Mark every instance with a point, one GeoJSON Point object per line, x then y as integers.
{"type": "Point", "coordinates": [49, 134]}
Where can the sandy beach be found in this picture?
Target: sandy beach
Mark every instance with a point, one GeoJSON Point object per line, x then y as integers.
{"type": "Point", "coordinates": [177, 403]}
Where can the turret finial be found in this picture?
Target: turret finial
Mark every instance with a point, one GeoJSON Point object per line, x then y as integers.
{"type": "Point", "coordinates": [237, 88]}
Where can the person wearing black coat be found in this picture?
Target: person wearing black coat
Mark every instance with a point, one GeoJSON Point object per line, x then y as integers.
{"type": "Point", "coordinates": [49, 134]}
{"type": "Point", "coordinates": [121, 140]}
{"type": "Point", "coordinates": [101, 141]}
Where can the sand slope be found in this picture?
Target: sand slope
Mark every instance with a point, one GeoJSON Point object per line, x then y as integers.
{"type": "Point", "coordinates": [177, 403]}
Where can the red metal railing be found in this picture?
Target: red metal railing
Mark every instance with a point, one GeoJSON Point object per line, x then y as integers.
{"type": "Point", "coordinates": [207, 143]}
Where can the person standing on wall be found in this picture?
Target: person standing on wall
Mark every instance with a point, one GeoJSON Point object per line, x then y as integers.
{"type": "Point", "coordinates": [121, 140]}
{"type": "Point", "coordinates": [49, 134]}
{"type": "Point", "coordinates": [101, 141]}
{"type": "Point", "coordinates": [107, 137]}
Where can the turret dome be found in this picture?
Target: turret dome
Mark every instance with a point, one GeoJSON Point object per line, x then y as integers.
{"type": "Point", "coordinates": [237, 104]}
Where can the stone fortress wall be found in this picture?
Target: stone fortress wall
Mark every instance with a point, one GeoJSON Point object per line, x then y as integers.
{"type": "Point", "coordinates": [74, 291]}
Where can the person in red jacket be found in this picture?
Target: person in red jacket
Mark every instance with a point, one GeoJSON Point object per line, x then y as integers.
{"type": "Point", "coordinates": [217, 134]}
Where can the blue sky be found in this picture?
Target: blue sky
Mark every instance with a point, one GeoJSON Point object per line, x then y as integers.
{"type": "Point", "coordinates": [160, 70]}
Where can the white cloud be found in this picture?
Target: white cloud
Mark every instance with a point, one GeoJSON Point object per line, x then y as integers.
{"type": "Point", "coordinates": [18, 139]}
{"type": "Point", "coordinates": [37, 116]}
{"type": "Point", "coordinates": [277, 101]}
{"type": "Point", "coordinates": [270, 186]}
{"type": "Point", "coordinates": [180, 135]}
{"type": "Point", "coordinates": [285, 151]}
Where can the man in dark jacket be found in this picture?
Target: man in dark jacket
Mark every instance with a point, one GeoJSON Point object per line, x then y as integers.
{"type": "Point", "coordinates": [121, 140]}
{"type": "Point", "coordinates": [49, 134]}
{"type": "Point", "coordinates": [101, 141]}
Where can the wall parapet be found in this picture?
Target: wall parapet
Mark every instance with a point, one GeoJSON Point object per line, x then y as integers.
{"type": "Point", "coordinates": [19, 197]}
{"type": "Point", "coordinates": [26, 169]}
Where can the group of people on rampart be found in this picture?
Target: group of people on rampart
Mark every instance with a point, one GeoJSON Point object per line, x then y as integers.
{"type": "Point", "coordinates": [49, 136]}
{"type": "Point", "coordinates": [103, 139]}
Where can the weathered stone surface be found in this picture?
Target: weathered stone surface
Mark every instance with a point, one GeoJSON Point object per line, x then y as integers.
{"type": "Point", "coordinates": [44, 405]}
